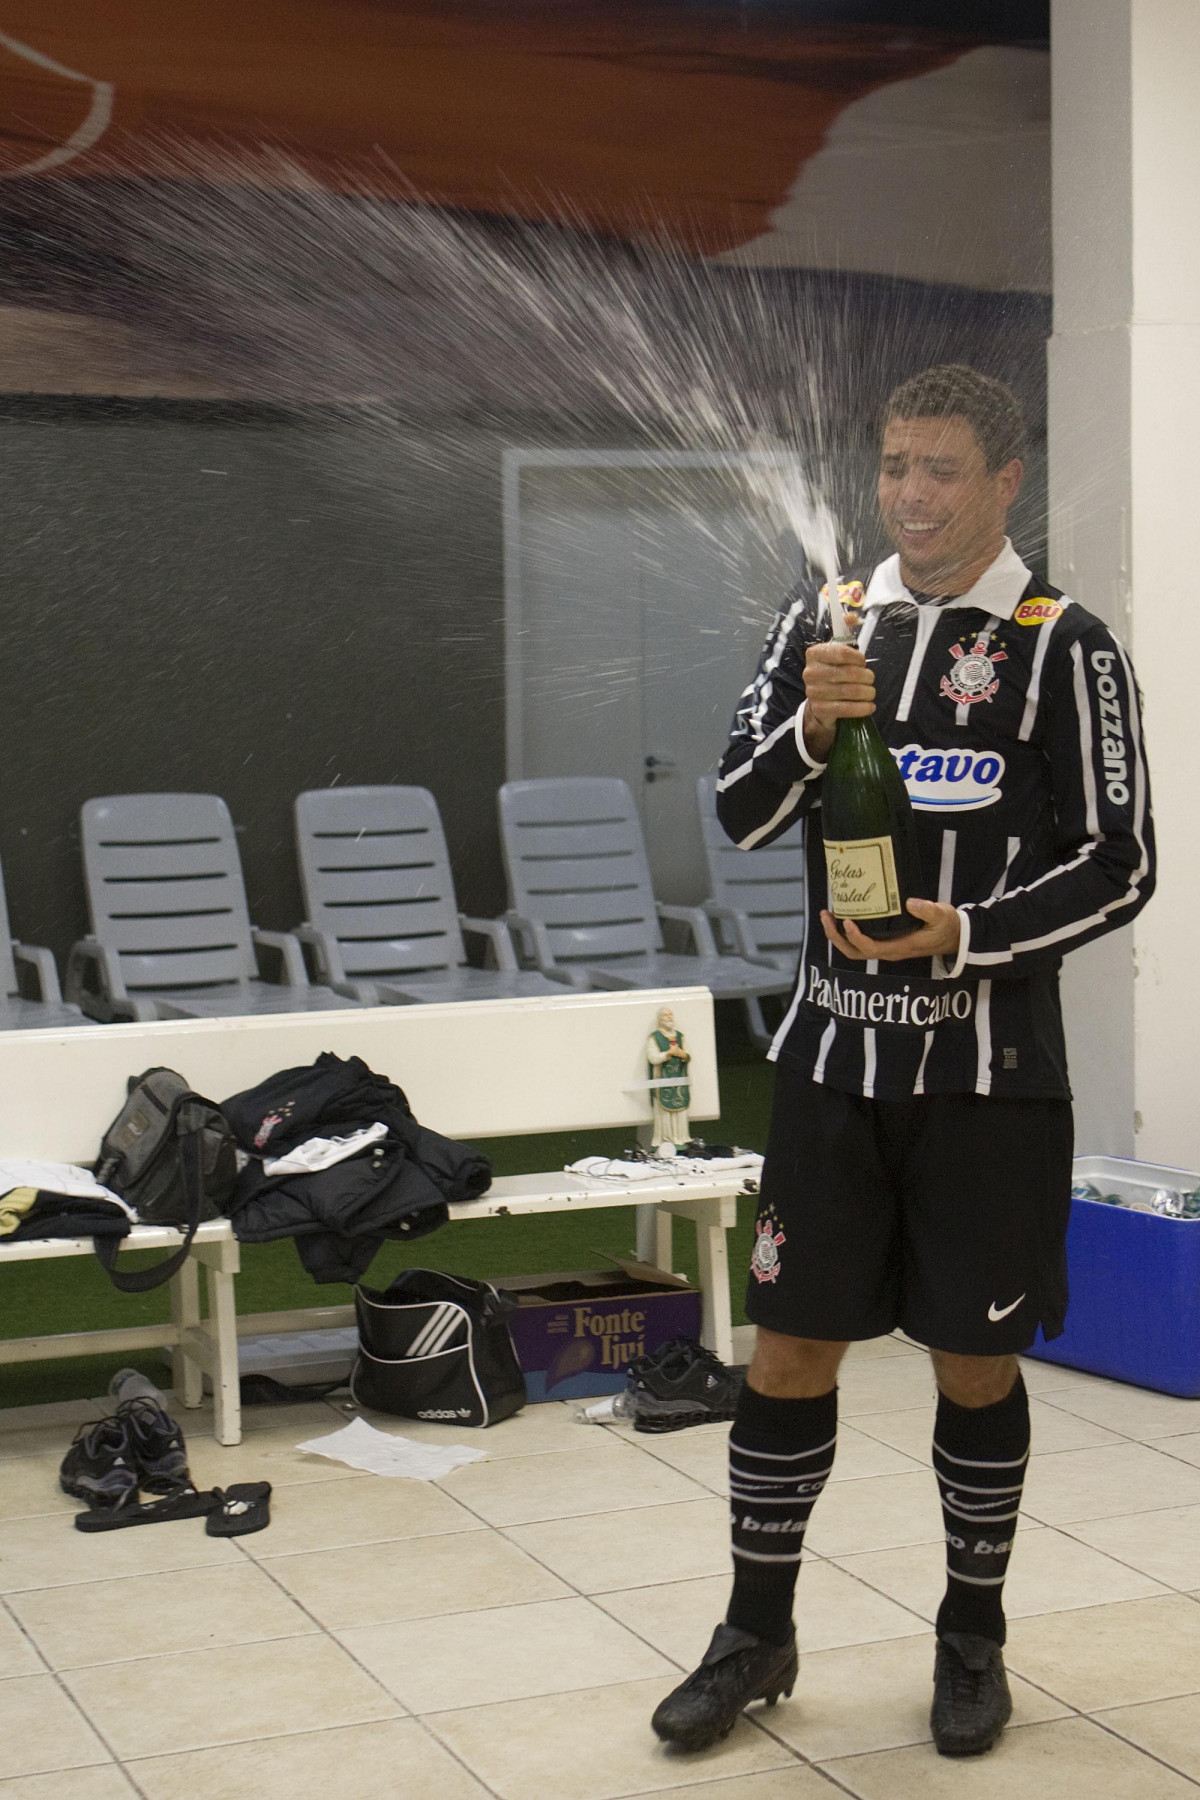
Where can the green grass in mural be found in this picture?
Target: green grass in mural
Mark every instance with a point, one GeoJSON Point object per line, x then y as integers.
{"type": "Point", "coordinates": [73, 1294]}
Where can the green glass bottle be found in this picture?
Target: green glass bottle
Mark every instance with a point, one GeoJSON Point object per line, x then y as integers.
{"type": "Point", "coordinates": [870, 833]}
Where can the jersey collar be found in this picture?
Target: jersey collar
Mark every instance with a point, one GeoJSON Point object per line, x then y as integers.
{"type": "Point", "coordinates": [998, 590]}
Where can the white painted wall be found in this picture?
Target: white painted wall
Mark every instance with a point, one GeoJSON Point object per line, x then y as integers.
{"type": "Point", "coordinates": [944, 177]}
{"type": "Point", "coordinates": [1124, 480]}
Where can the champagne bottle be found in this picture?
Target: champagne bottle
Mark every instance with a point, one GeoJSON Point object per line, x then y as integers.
{"type": "Point", "coordinates": [867, 823]}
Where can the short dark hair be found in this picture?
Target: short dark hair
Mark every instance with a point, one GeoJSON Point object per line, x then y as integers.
{"type": "Point", "coordinates": [990, 408]}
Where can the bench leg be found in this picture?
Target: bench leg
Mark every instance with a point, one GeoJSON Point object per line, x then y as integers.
{"type": "Point", "coordinates": [654, 1237]}
{"type": "Point", "coordinates": [222, 1322]}
{"type": "Point", "coordinates": [187, 1375]}
{"type": "Point", "coordinates": [664, 1235]}
{"type": "Point", "coordinates": [713, 1251]}
{"type": "Point", "coordinates": [713, 1219]}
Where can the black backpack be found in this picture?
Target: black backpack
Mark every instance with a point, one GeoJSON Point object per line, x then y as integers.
{"type": "Point", "coordinates": [171, 1155]}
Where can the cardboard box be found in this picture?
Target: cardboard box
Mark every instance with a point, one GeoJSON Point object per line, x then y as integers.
{"type": "Point", "coordinates": [577, 1332]}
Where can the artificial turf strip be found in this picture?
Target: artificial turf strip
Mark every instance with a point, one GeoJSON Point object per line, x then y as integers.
{"type": "Point", "coordinates": [74, 1294]}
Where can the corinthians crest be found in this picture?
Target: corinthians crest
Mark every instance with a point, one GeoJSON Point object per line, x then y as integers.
{"type": "Point", "coordinates": [764, 1258]}
{"type": "Point", "coordinates": [973, 676]}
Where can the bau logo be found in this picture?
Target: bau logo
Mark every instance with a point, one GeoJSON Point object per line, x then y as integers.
{"type": "Point", "coordinates": [1037, 612]}
{"type": "Point", "coordinates": [950, 780]}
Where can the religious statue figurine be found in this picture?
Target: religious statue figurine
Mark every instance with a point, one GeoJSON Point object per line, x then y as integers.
{"type": "Point", "coordinates": [666, 1056]}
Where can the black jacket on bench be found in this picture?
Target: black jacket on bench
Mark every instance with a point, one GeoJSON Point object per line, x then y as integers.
{"type": "Point", "coordinates": [398, 1187]}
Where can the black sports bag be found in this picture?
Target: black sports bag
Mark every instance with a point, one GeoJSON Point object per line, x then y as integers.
{"type": "Point", "coordinates": [435, 1346]}
{"type": "Point", "coordinates": [171, 1155]}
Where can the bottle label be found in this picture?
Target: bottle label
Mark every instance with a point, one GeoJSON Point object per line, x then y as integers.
{"type": "Point", "coordinates": [862, 878]}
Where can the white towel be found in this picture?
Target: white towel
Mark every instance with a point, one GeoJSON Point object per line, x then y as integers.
{"type": "Point", "coordinates": [56, 1178]}
{"type": "Point", "coordinates": [615, 1168]}
{"type": "Point", "coordinates": [612, 1168]}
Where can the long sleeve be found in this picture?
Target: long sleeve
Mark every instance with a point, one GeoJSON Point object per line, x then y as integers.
{"type": "Point", "coordinates": [767, 780]}
{"type": "Point", "coordinates": [1104, 874]}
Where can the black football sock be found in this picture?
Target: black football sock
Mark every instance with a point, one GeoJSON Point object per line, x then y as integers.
{"type": "Point", "coordinates": [780, 1455]}
{"type": "Point", "coordinates": [979, 1457]}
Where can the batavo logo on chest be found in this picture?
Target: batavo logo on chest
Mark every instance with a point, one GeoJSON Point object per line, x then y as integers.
{"type": "Point", "coordinates": [950, 780]}
{"type": "Point", "coordinates": [973, 676]}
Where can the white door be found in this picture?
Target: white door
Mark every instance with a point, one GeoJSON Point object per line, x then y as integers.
{"type": "Point", "coordinates": [639, 587]}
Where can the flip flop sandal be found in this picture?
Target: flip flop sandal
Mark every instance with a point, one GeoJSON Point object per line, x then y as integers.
{"type": "Point", "coordinates": [181, 1503]}
{"type": "Point", "coordinates": [243, 1508]}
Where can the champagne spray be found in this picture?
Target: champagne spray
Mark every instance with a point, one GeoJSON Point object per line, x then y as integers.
{"type": "Point", "coordinates": [842, 632]}
{"type": "Point", "coordinates": [841, 595]}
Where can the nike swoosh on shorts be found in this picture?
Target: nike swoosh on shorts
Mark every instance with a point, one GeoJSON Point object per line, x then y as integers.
{"type": "Point", "coordinates": [995, 1313]}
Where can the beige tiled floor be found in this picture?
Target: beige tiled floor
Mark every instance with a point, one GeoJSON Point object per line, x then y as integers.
{"type": "Point", "coordinates": [505, 1633]}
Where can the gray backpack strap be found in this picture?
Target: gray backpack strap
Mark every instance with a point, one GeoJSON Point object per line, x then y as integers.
{"type": "Point", "coordinates": [141, 1281]}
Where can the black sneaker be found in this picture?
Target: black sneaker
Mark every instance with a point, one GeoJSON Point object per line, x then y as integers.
{"type": "Point", "coordinates": [737, 1669]}
{"type": "Point", "coordinates": [971, 1701]}
{"type": "Point", "coordinates": [156, 1444]}
{"type": "Point", "coordinates": [681, 1384]}
{"type": "Point", "coordinates": [99, 1467]}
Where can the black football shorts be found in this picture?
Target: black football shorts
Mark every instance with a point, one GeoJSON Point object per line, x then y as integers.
{"type": "Point", "coordinates": [945, 1215]}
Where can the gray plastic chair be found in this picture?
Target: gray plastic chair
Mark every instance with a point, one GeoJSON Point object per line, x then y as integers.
{"type": "Point", "coordinates": [383, 922]}
{"type": "Point", "coordinates": [171, 935]}
{"type": "Point", "coordinates": [47, 1013]}
{"type": "Point", "coordinates": [757, 896]}
{"type": "Point", "coordinates": [582, 898]}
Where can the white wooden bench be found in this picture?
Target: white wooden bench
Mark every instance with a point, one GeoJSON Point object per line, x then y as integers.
{"type": "Point", "coordinates": [470, 1069]}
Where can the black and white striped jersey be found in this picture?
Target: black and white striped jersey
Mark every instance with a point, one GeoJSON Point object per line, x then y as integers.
{"type": "Point", "coordinates": [1014, 717]}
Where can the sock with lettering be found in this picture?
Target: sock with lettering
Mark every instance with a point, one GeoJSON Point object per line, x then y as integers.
{"type": "Point", "coordinates": [780, 1455]}
{"type": "Point", "coordinates": [979, 1457]}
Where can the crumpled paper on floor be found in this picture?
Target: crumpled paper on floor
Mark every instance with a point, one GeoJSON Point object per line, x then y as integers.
{"type": "Point", "coordinates": [360, 1445]}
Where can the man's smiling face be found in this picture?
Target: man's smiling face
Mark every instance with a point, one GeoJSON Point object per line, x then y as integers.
{"type": "Point", "coordinates": [941, 507]}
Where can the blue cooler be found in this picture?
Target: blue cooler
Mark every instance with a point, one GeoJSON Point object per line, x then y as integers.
{"type": "Point", "coordinates": [1135, 1282]}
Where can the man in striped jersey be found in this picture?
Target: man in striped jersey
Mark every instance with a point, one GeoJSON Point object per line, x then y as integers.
{"type": "Point", "coordinates": [918, 1166]}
